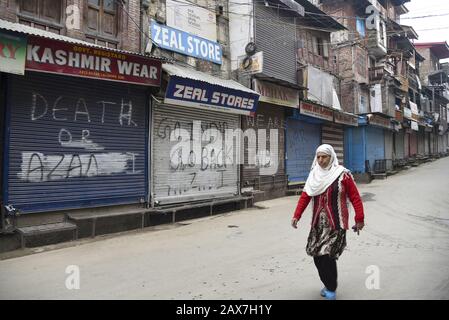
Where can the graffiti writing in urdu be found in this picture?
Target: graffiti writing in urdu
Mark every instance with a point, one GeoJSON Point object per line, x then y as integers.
{"type": "Point", "coordinates": [39, 167]}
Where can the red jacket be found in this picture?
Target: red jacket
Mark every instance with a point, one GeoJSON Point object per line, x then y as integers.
{"type": "Point", "coordinates": [335, 204]}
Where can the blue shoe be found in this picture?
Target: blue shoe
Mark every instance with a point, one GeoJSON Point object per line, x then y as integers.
{"type": "Point", "coordinates": [323, 292]}
{"type": "Point", "coordinates": [330, 295]}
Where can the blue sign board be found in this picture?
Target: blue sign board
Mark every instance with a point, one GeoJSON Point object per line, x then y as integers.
{"type": "Point", "coordinates": [185, 43]}
{"type": "Point", "coordinates": [193, 93]}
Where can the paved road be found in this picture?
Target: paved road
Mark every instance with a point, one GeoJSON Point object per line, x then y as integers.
{"type": "Point", "coordinates": [255, 254]}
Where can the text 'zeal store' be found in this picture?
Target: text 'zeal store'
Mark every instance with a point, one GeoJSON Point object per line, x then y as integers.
{"type": "Point", "coordinates": [76, 123]}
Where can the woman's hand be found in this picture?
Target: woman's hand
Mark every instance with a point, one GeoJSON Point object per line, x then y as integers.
{"type": "Point", "coordinates": [359, 225]}
{"type": "Point", "coordinates": [295, 223]}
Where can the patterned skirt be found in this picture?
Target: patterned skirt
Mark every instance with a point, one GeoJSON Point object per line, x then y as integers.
{"type": "Point", "coordinates": [324, 240]}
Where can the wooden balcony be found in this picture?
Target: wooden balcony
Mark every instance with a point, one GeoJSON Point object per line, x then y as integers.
{"type": "Point", "coordinates": [376, 74]}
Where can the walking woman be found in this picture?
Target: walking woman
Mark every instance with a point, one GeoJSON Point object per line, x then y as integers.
{"type": "Point", "coordinates": [329, 185]}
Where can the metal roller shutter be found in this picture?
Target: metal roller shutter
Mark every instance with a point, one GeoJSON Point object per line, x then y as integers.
{"type": "Point", "coordinates": [389, 149]}
{"type": "Point", "coordinates": [427, 143]}
{"type": "Point", "coordinates": [413, 144]}
{"type": "Point", "coordinates": [333, 135]}
{"type": "Point", "coordinates": [275, 35]}
{"type": "Point", "coordinates": [407, 145]}
{"type": "Point", "coordinates": [355, 149]}
{"type": "Point", "coordinates": [399, 145]}
{"type": "Point", "coordinates": [75, 143]}
{"type": "Point", "coordinates": [302, 141]}
{"type": "Point", "coordinates": [267, 117]}
{"type": "Point", "coordinates": [375, 145]}
{"type": "Point", "coordinates": [176, 180]}
{"type": "Point", "coordinates": [421, 141]}
{"type": "Point", "coordinates": [2, 130]}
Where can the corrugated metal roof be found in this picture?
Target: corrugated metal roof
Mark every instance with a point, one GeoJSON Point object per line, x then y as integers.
{"type": "Point", "coordinates": [21, 28]}
{"type": "Point", "coordinates": [193, 74]}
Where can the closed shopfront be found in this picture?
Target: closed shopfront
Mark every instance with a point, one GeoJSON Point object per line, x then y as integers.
{"type": "Point", "coordinates": [333, 134]}
{"type": "Point", "coordinates": [389, 149]}
{"type": "Point", "coordinates": [441, 146]}
{"type": "Point", "coordinates": [399, 144]}
{"type": "Point", "coordinates": [355, 149]}
{"type": "Point", "coordinates": [413, 149]}
{"type": "Point", "coordinates": [2, 130]}
{"type": "Point", "coordinates": [267, 173]}
{"type": "Point", "coordinates": [75, 142]}
{"type": "Point", "coordinates": [433, 143]}
{"type": "Point", "coordinates": [427, 143]}
{"type": "Point", "coordinates": [421, 141]}
{"type": "Point", "coordinates": [407, 143]}
{"type": "Point", "coordinates": [303, 138]}
{"type": "Point", "coordinates": [192, 171]}
{"type": "Point", "coordinates": [77, 125]}
{"type": "Point", "coordinates": [375, 145]}
{"type": "Point", "coordinates": [344, 123]}
{"type": "Point", "coordinates": [194, 154]}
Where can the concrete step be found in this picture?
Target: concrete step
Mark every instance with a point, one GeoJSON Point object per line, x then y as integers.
{"type": "Point", "coordinates": [41, 235]}
{"type": "Point", "coordinates": [391, 173]}
{"type": "Point", "coordinates": [294, 192]}
{"type": "Point", "coordinates": [379, 176]}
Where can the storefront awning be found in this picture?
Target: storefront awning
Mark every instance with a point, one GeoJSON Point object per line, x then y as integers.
{"type": "Point", "coordinates": [192, 88]}
{"type": "Point", "coordinates": [43, 51]}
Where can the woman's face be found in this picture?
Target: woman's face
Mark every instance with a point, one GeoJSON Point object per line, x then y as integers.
{"type": "Point", "coordinates": [323, 159]}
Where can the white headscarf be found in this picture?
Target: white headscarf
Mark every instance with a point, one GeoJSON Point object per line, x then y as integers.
{"type": "Point", "coordinates": [320, 179]}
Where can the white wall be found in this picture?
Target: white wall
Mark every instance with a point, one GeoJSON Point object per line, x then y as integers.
{"type": "Point", "coordinates": [241, 28]}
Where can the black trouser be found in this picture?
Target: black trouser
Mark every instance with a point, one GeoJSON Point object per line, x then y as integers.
{"type": "Point", "coordinates": [327, 269]}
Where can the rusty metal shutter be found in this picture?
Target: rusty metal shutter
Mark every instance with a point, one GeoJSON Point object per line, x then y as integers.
{"type": "Point", "coordinates": [421, 141]}
{"type": "Point", "coordinates": [413, 144]}
{"type": "Point", "coordinates": [267, 117]}
{"type": "Point", "coordinates": [427, 143]}
{"type": "Point", "coordinates": [399, 145]}
{"type": "Point", "coordinates": [333, 134]}
{"type": "Point", "coordinates": [407, 144]}
{"type": "Point", "coordinates": [275, 35]}
{"type": "Point", "coordinates": [175, 180]}
{"type": "Point", "coordinates": [75, 143]}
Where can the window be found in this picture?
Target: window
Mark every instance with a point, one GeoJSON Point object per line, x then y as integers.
{"type": "Point", "coordinates": [102, 18]}
{"type": "Point", "coordinates": [42, 14]}
{"type": "Point", "coordinates": [382, 34]}
{"type": "Point", "coordinates": [363, 107]}
{"type": "Point", "coordinates": [360, 24]}
{"type": "Point", "coordinates": [320, 47]}
{"type": "Point", "coordinates": [325, 48]}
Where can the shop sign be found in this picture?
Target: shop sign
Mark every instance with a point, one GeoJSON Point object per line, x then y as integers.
{"type": "Point", "coordinates": [399, 116]}
{"type": "Point", "coordinates": [345, 118]}
{"type": "Point", "coordinates": [185, 43]}
{"type": "Point", "coordinates": [316, 111]}
{"type": "Point", "coordinates": [275, 94]}
{"type": "Point", "coordinates": [12, 53]}
{"type": "Point", "coordinates": [199, 94]}
{"type": "Point", "coordinates": [192, 18]}
{"type": "Point", "coordinates": [414, 126]}
{"type": "Point", "coordinates": [379, 121]}
{"type": "Point", "coordinates": [46, 55]}
{"type": "Point", "coordinates": [407, 113]}
{"type": "Point", "coordinates": [414, 108]}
